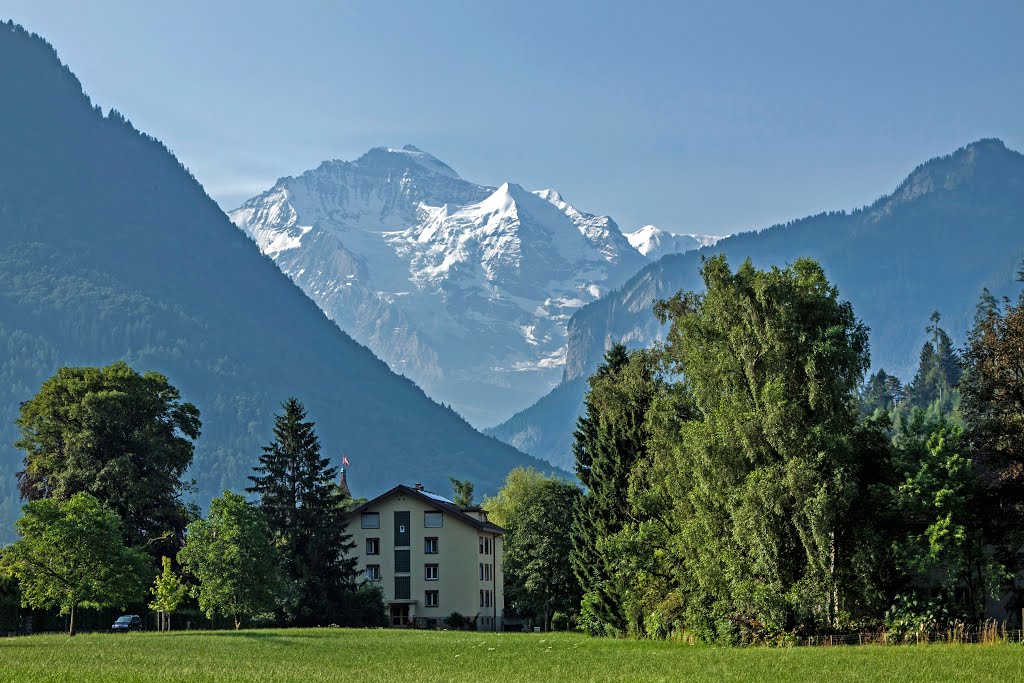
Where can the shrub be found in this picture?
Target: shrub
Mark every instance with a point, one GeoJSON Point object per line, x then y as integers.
{"type": "Point", "coordinates": [560, 621]}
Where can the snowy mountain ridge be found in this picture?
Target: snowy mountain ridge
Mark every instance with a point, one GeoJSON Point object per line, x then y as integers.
{"type": "Point", "coordinates": [653, 242]}
{"type": "Point", "coordinates": [465, 288]}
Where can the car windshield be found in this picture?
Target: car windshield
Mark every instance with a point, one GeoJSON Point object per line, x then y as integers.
{"type": "Point", "coordinates": [123, 620]}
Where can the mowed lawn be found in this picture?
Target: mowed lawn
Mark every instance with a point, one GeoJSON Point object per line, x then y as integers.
{"type": "Point", "coordinates": [356, 656]}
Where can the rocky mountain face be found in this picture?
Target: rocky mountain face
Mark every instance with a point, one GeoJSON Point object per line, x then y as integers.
{"type": "Point", "coordinates": [464, 288]}
{"type": "Point", "coordinates": [953, 227]}
{"type": "Point", "coordinates": [110, 250]}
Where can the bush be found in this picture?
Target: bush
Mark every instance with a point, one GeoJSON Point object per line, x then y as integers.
{"type": "Point", "coordinates": [455, 621]}
{"type": "Point", "coordinates": [560, 621]}
{"type": "Point", "coordinates": [364, 607]}
{"type": "Point", "coordinates": [911, 618]}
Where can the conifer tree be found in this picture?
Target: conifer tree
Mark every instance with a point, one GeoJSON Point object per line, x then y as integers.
{"type": "Point", "coordinates": [609, 439]}
{"type": "Point", "coordinates": [463, 492]}
{"type": "Point", "coordinates": [938, 372]}
{"type": "Point", "coordinates": [304, 509]}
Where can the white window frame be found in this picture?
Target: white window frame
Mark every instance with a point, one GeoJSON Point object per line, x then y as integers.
{"type": "Point", "coordinates": [427, 570]}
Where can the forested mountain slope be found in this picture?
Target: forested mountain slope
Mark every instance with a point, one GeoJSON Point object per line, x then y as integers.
{"type": "Point", "coordinates": [110, 249]}
{"type": "Point", "coordinates": [954, 226]}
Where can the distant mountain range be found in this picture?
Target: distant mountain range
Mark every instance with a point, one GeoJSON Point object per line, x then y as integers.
{"type": "Point", "coordinates": [464, 288]}
{"type": "Point", "coordinates": [110, 249]}
{"type": "Point", "coordinates": [954, 226]}
{"type": "Point", "coordinates": [653, 242]}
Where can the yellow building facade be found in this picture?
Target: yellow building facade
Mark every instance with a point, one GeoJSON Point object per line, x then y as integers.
{"type": "Point", "coordinates": [431, 558]}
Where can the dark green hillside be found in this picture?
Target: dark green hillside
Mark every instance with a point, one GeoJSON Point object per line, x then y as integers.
{"type": "Point", "coordinates": [110, 249]}
{"type": "Point", "coordinates": [954, 226]}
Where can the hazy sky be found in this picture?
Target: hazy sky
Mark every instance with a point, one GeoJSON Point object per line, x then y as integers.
{"type": "Point", "coordinates": [708, 117]}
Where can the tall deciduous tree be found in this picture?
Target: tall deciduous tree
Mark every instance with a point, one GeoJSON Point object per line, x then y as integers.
{"type": "Point", "coordinates": [125, 438]}
{"type": "Point", "coordinates": [538, 581]}
{"type": "Point", "coordinates": [993, 408]}
{"type": "Point", "coordinates": [538, 539]}
{"type": "Point", "coordinates": [304, 508]}
{"type": "Point", "coordinates": [764, 477]}
{"type": "Point", "coordinates": [232, 557]}
{"type": "Point", "coordinates": [71, 554]}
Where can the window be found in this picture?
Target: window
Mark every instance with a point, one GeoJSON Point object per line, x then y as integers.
{"type": "Point", "coordinates": [370, 520]}
{"type": "Point", "coordinates": [433, 520]}
{"type": "Point", "coordinates": [481, 598]}
{"type": "Point", "coordinates": [431, 599]}
{"type": "Point", "coordinates": [485, 545]}
{"type": "Point", "coordinates": [481, 571]}
{"type": "Point", "coordinates": [402, 528]}
{"type": "Point", "coordinates": [373, 572]}
{"type": "Point", "coordinates": [402, 584]}
{"type": "Point", "coordinates": [402, 562]}
{"type": "Point", "coordinates": [487, 597]}
{"type": "Point", "coordinates": [373, 546]}
{"type": "Point", "coordinates": [487, 572]}
{"type": "Point", "coordinates": [430, 572]}
{"type": "Point", "coordinates": [430, 545]}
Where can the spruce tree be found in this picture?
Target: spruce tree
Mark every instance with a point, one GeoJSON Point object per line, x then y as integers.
{"type": "Point", "coordinates": [304, 509]}
{"type": "Point", "coordinates": [938, 372]}
{"type": "Point", "coordinates": [609, 440]}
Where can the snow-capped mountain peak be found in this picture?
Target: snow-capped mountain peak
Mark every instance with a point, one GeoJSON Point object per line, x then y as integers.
{"type": "Point", "coordinates": [653, 242]}
{"type": "Point", "coordinates": [465, 288]}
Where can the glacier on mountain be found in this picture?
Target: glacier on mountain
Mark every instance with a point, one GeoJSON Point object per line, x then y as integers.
{"type": "Point", "coordinates": [464, 288]}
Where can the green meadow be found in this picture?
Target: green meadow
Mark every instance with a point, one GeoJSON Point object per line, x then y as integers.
{"type": "Point", "coordinates": [372, 656]}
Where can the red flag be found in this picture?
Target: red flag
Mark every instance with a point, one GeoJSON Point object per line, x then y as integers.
{"type": "Point", "coordinates": [344, 460]}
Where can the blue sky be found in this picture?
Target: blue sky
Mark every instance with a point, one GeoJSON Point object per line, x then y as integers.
{"type": "Point", "coordinates": [708, 117]}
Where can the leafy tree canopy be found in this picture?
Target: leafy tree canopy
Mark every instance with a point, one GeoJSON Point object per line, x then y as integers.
{"type": "Point", "coordinates": [125, 438]}
{"type": "Point", "coordinates": [762, 474]}
{"type": "Point", "coordinates": [168, 591]}
{"type": "Point", "coordinates": [71, 553]}
{"type": "Point", "coordinates": [231, 556]}
{"type": "Point", "coordinates": [538, 526]}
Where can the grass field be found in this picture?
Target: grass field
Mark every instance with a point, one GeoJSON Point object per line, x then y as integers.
{"type": "Point", "coordinates": [459, 657]}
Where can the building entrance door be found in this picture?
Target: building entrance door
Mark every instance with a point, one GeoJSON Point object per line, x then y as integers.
{"type": "Point", "coordinates": [400, 615]}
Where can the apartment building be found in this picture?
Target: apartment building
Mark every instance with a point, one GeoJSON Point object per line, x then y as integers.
{"type": "Point", "coordinates": [431, 557]}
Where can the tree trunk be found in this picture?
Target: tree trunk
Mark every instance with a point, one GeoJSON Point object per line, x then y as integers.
{"type": "Point", "coordinates": [238, 622]}
{"type": "Point", "coordinates": [833, 607]}
{"type": "Point", "coordinates": [168, 623]}
{"type": "Point", "coordinates": [71, 622]}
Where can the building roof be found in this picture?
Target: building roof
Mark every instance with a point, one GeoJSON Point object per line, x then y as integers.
{"type": "Point", "coordinates": [434, 500]}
